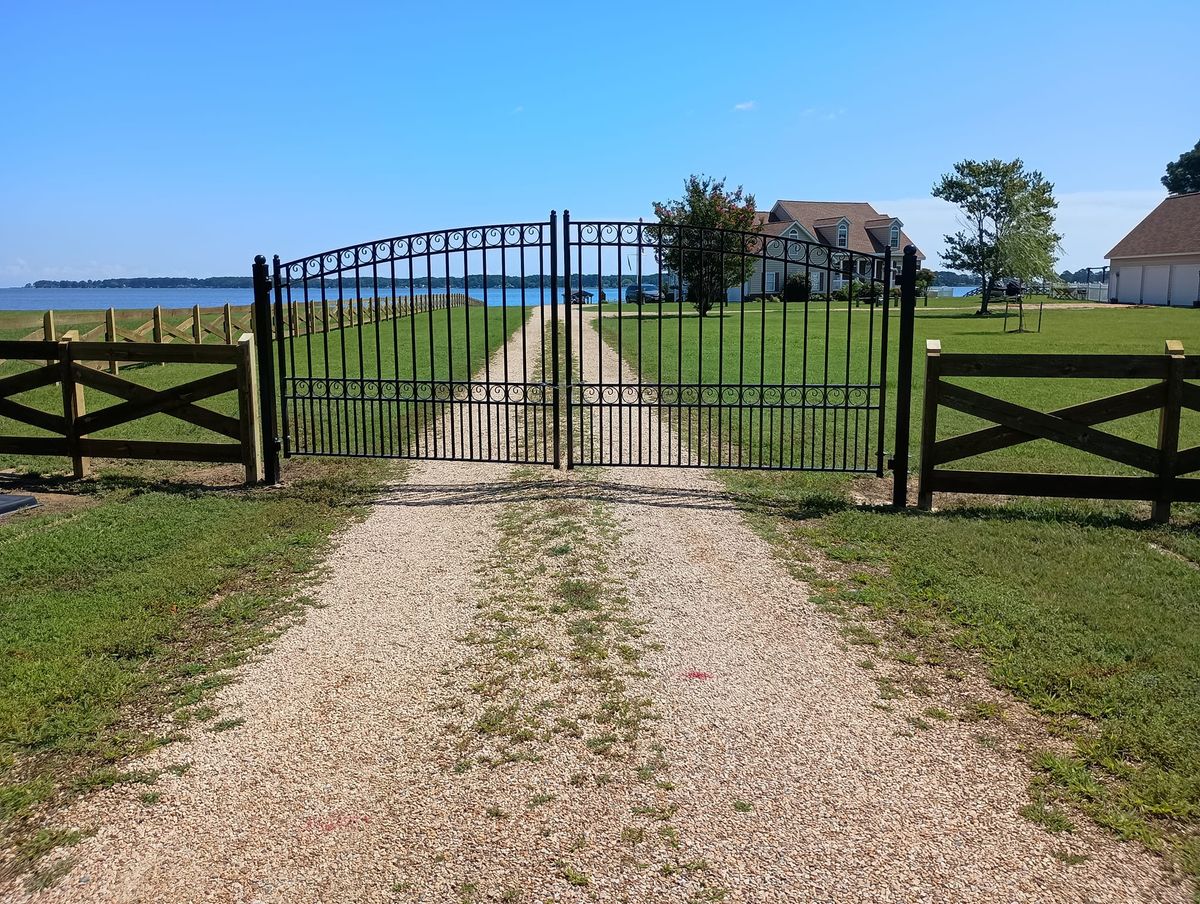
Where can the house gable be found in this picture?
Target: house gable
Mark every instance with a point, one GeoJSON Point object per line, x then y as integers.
{"type": "Point", "coordinates": [868, 230]}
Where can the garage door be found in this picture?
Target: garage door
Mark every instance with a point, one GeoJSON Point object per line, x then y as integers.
{"type": "Point", "coordinates": [1154, 284]}
{"type": "Point", "coordinates": [1185, 284]}
{"type": "Point", "coordinates": [1129, 285]}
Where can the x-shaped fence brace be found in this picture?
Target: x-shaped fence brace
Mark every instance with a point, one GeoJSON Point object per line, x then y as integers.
{"type": "Point", "coordinates": [1073, 426]}
{"type": "Point", "coordinates": [75, 425]}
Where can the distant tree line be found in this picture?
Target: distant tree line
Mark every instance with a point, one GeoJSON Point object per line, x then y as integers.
{"type": "Point", "coordinates": [472, 281]}
{"type": "Point", "coordinates": [146, 282]}
{"type": "Point", "coordinates": [952, 278]}
{"type": "Point", "coordinates": [1081, 275]}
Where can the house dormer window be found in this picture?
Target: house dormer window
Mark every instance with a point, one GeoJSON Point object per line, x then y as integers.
{"type": "Point", "coordinates": [843, 234]}
{"type": "Point", "coordinates": [894, 236]}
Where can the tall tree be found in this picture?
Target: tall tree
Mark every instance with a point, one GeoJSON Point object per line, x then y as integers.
{"type": "Point", "coordinates": [708, 238]}
{"type": "Point", "coordinates": [1183, 176]}
{"type": "Point", "coordinates": [1008, 215]}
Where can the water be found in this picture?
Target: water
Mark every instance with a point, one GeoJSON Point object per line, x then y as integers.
{"type": "Point", "coordinates": [144, 299]}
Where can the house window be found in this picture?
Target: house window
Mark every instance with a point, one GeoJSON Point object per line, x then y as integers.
{"type": "Point", "coordinates": [894, 236]}
{"type": "Point", "coordinates": [772, 281]}
{"type": "Point", "coordinates": [843, 235]}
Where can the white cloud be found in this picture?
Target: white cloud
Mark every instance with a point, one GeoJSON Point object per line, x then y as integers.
{"type": "Point", "coordinates": [1091, 222]}
{"type": "Point", "coordinates": [745, 105]}
{"type": "Point", "coordinates": [519, 109]}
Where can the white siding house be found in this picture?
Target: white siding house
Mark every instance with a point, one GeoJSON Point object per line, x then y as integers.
{"type": "Point", "coordinates": [848, 226]}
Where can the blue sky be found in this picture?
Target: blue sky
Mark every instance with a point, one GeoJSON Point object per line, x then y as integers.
{"type": "Point", "coordinates": [164, 139]}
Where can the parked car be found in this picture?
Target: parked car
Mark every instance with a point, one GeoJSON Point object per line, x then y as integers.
{"type": "Point", "coordinates": [639, 294]}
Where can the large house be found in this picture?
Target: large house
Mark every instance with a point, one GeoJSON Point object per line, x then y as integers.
{"type": "Point", "coordinates": [854, 226]}
{"type": "Point", "coordinates": [1159, 261]}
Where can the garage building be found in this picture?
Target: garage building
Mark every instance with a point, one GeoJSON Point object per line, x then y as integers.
{"type": "Point", "coordinates": [1159, 261]}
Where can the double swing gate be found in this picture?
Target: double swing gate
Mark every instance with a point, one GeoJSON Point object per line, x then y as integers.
{"type": "Point", "coordinates": [588, 343]}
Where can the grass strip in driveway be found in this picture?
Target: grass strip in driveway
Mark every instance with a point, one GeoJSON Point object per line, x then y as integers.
{"type": "Point", "coordinates": [1086, 613]}
{"type": "Point", "coordinates": [128, 607]}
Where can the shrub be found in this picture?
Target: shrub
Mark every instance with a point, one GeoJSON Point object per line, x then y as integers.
{"type": "Point", "coordinates": [797, 289]}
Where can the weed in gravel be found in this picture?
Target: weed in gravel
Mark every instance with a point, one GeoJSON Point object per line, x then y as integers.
{"type": "Point", "coordinates": [743, 806]}
{"type": "Point", "coordinates": [888, 689]}
{"type": "Point", "coordinates": [1070, 859]}
{"type": "Point", "coordinates": [227, 724]}
{"type": "Point", "coordinates": [1049, 817]}
{"type": "Point", "coordinates": [981, 710]}
{"type": "Point", "coordinates": [575, 877]}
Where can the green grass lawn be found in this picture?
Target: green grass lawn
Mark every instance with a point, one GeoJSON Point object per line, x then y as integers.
{"type": "Point", "coordinates": [746, 343]}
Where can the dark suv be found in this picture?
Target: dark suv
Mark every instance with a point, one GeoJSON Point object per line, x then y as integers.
{"type": "Point", "coordinates": [638, 294]}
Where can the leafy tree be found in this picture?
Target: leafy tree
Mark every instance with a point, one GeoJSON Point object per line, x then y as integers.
{"type": "Point", "coordinates": [1008, 213]}
{"type": "Point", "coordinates": [924, 280]}
{"type": "Point", "coordinates": [707, 237]}
{"type": "Point", "coordinates": [1183, 176]}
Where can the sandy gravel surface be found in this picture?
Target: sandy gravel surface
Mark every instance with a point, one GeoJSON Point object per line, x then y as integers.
{"type": "Point", "coordinates": [596, 686]}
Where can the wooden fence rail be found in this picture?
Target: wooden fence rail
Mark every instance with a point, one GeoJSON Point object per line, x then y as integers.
{"type": "Point", "coordinates": [1073, 426]}
{"type": "Point", "coordinates": [65, 364]}
{"type": "Point", "coordinates": [227, 324]}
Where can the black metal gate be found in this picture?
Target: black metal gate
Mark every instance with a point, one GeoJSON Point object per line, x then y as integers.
{"type": "Point", "coordinates": [608, 343]}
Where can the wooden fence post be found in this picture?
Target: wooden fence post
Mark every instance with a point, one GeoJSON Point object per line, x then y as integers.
{"type": "Point", "coordinates": [1168, 432]}
{"type": "Point", "coordinates": [73, 407]}
{"type": "Point", "coordinates": [227, 323]}
{"type": "Point", "coordinates": [110, 335]}
{"type": "Point", "coordinates": [197, 329]}
{"type": "Point", "coordinates": [248, 409]}
{"type": "Point", "coordinates": [49, 332]}
{"type": "Point", "coordinates": [933, 372]}
{"type": "Point", "coordinates": [157, 333]}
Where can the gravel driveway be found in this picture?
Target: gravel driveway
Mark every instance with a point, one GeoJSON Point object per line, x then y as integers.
{"type": "Point", "coordinates": [585, 686]}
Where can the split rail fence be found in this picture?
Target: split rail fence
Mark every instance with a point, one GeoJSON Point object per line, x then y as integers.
{"type": "Point", "coordinates": [226, 325]}
{"type": "Point", "coordinates": [1073, 426]}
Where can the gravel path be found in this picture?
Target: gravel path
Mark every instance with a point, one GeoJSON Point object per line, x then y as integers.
{"type": "Point", "coordinates": [577, 687]}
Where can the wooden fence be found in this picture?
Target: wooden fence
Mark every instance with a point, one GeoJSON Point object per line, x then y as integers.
{"type": "Point", "coordinates": [230, 321]}
{"type": "Point", "coordinates": [64, 362]}
{"type": "Point", "coordinates": [1073, 426]}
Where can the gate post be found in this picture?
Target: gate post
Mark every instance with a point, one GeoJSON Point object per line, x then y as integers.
{"type": "Point", "coordinates": [555, 379]}
{"type": "Point", "coordinates": [566, 363]}
{"type": "Point", "coordinates": [904, 366]}
{"type": "Point", "coordinates": [266, 379]}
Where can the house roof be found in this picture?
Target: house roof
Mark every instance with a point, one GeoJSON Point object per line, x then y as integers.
{"type": "Point", "coordinates": [1173, 227]}
{"type": "Point", "coordinates": [813, 215]}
